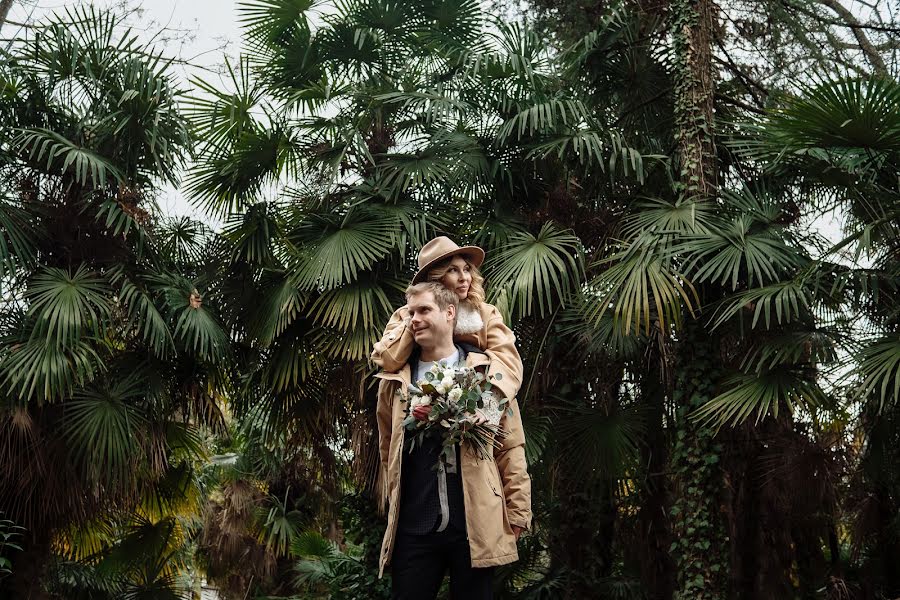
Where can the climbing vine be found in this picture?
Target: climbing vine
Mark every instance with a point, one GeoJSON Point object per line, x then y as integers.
{"type": "Point", "coordinates": [698, 532]}
{"type": "Point", "coordinates": [693, 85]}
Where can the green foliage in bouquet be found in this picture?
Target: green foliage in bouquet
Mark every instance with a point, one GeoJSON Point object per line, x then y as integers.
{"type": "Point", "coordinates": [463, 408]}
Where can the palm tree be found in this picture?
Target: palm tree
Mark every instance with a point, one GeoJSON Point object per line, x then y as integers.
{"type": "Point", "coordinates": [111, 365]}
{"type": "Point", "coordinates": [839, 139]}
{"type": "Point", "coordinates": [333, 166]}
{"type": "Point", "coordinates": [333, 152]}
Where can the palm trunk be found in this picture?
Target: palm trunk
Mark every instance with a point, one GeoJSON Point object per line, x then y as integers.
{"type": "Point", "coordinates": [700, 542]}
{"type": "Point", "coordinates": [657, 567]}
{"type": "Point", "coordinates": [5, 5]}
{"type": "Point", "coordinates": [28, 570]}
{"type": "Point", "coordinates": [697, 525]}
{"type": "Point", "coordinates": [692, 22]}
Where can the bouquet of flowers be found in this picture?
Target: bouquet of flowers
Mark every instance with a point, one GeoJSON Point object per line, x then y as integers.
{"type": "Point", "coordinates": [463, 407]}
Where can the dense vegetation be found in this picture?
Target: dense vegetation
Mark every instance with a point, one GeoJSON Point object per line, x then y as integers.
{"type": "Point", "coordinates": [711, 388]}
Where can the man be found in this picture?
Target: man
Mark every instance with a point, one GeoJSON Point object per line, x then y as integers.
{"type": "Point", "coordinates": [466, 515]}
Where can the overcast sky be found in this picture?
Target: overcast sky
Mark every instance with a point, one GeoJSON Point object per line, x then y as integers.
{"type": "Point", "coordinates": [202, 32]}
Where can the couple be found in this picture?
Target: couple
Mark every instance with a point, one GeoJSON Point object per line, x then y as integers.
{"type": "Point", "coordinates": [466, 515]}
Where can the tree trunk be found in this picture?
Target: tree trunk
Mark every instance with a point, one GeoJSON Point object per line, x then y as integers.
{"type": "Point", "coordinates": [5, 5]}
{"type": "Point", "coordinates": [657, 567]}
{"type": "Point", "coordinates": [699, 540]}
{"type": "Point", "coordinates": [759, 512]}
{"type": "Point", "coordinates": [697, 527]}
{"type": "Point", "coordinates": [29, 567]}
{"type": "Point", "coordinates": [693, 22]}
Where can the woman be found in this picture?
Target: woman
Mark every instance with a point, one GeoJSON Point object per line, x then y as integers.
{"type": "Point", "coordinates": [477, 323]}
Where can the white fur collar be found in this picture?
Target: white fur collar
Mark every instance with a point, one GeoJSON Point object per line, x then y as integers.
{"type": "Point", "coordinates": [468, 320]}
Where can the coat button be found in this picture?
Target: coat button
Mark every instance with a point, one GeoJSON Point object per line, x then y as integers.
{"type": "Point", "coordinates": [391, 336]}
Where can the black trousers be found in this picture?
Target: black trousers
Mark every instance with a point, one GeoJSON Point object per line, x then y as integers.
{"type": "Point", "coordinates": [419, 562]}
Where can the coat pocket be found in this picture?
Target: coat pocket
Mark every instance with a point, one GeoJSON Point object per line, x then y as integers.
{"type": "Point", "coordinates": [493, 479]}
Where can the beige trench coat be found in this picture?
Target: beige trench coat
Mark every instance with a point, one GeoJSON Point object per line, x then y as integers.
{"type": "Point", "coordinates": [495, 338]}
{"type": "Point", "coordinates": [496, 493]}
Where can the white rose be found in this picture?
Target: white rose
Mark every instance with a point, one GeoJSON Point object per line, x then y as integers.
{"type": "Point", "coordinates": [455, 394]}
{"type": "Point", "coordinates": [448, 383]}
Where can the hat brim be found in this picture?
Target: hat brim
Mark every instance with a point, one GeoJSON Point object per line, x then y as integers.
{"type": "Point", "coordinates": [473, 253]}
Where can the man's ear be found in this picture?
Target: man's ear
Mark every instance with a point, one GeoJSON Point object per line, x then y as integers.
{"type": "Point", "coordinates": [452, 311]}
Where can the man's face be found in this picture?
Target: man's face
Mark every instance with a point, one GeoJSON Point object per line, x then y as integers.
{"type": "Point", "coordinates": [431, 326]}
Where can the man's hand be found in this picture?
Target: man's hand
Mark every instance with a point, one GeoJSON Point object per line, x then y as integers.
{"type": "Point", "coordinates": [421, 412]}
{"type": "Point", "coordinates": [517, 531]}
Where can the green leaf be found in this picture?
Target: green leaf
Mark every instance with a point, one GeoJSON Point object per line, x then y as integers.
{"type": "Point", "coordinates": [539, 272]}
{"type": "Point", "coordinates": [761, 394]}
{"type": "Point", "coordinates": [197, 331]}
{"type": "Point", "coordinates": [332, 253]}
{"type": "Point", "coordinates": [55, 153]}
{"type": "Point", "coordinates": [879, 369]}
{"type": "Point", "coordinates": [35, 370]}
{"type": "Point", "coordinates": [103, 428]}
{"type": "Point", "coordinates": [640, 287]}
{"type": "Point", "coordinates": [66, 306]}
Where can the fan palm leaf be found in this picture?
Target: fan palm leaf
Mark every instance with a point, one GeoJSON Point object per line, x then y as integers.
{"type": "Point", "coordinates": [640, 287]}
{"type": "Point", "coordinates": [200, 334]}
{"type": "Point", "coordinates": [218, 116]}
{"type": "Point", "coordinates": [19, 238]}
{"type": "Point", "coordinates": [279, 526]}
{"type": "Point", "coordinates": [539, 271]}
{"type": "Point", "coordinates": [737, 253]}
{"type": "Point", "coordinates": [103, 428]}
{"type": "Point", "coordinates": [761, 394]}
{"type": "Point", "coordinates": [879, 369]}
{"type": "Point", "coordinates": [607, 440]}
{"type": "Point", "coordinates": [594, 148]}
{"type": "Point", "coordinates": [66, 306]}
{"type": "Point", "coordinates": [849, 126]}
{"type": "Point", "coordinates": [361, 304]}
{"type": "Point", "coordinates": [144, 316]}
{"type": "Point", "coordinates": [281, 304]}
{"type": "Point", "coordinates": [594, 333]}
{"type": "Point", "coordinates": [53, 152]}
{"type": "Point", "coordinates": [181, 240]}
{"type": "Point", "coordinates": [815, 345]}
{"type": "Point", "coordinates": [270, 22]}
{"type": "Point", "coordinates": [253, 235]}
{"type": "Point", "coordinates": [333, 252]}
{"type": "Point", "coordinates": [676, 219]}
{"type": "Point", "coordinates": [37, 371]}
{"type": "Point", "coordinates": [290, 364]}
{"type": "Point", "coordinates": [788, 301]}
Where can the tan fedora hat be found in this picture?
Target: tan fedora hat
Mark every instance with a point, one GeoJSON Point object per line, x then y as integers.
{"type": "Point", "coordinates": [441, 248]}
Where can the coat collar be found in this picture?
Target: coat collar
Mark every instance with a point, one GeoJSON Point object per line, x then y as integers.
{"type": "Point", "coordinates": [473, 356]}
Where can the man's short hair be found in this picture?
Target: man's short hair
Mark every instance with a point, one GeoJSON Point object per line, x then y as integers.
{"type": "Point", "coordinates": [442, 296]}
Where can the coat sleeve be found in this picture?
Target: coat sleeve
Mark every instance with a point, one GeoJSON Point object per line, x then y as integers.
{"type": "Point", "coordinates": [510, 459]}
{"type": "Point", "coordinates": [396, 344]}
{"type": "Point", "coordinates": [384, 417]}
{"type": "Point", "coordinates": [505, 359]}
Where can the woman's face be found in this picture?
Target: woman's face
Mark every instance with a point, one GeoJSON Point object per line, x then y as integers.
{"type": "Point", "coordinates": [458, 277]}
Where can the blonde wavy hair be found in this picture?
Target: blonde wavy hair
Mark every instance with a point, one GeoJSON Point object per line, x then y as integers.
{"type": "Point", "coordinates": [476, 289]}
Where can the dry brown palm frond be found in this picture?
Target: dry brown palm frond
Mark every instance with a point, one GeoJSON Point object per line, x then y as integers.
{"type": "Point", "coordinates": [367, 471]}
{"type": "Point", "coordinates": [229, 542]}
